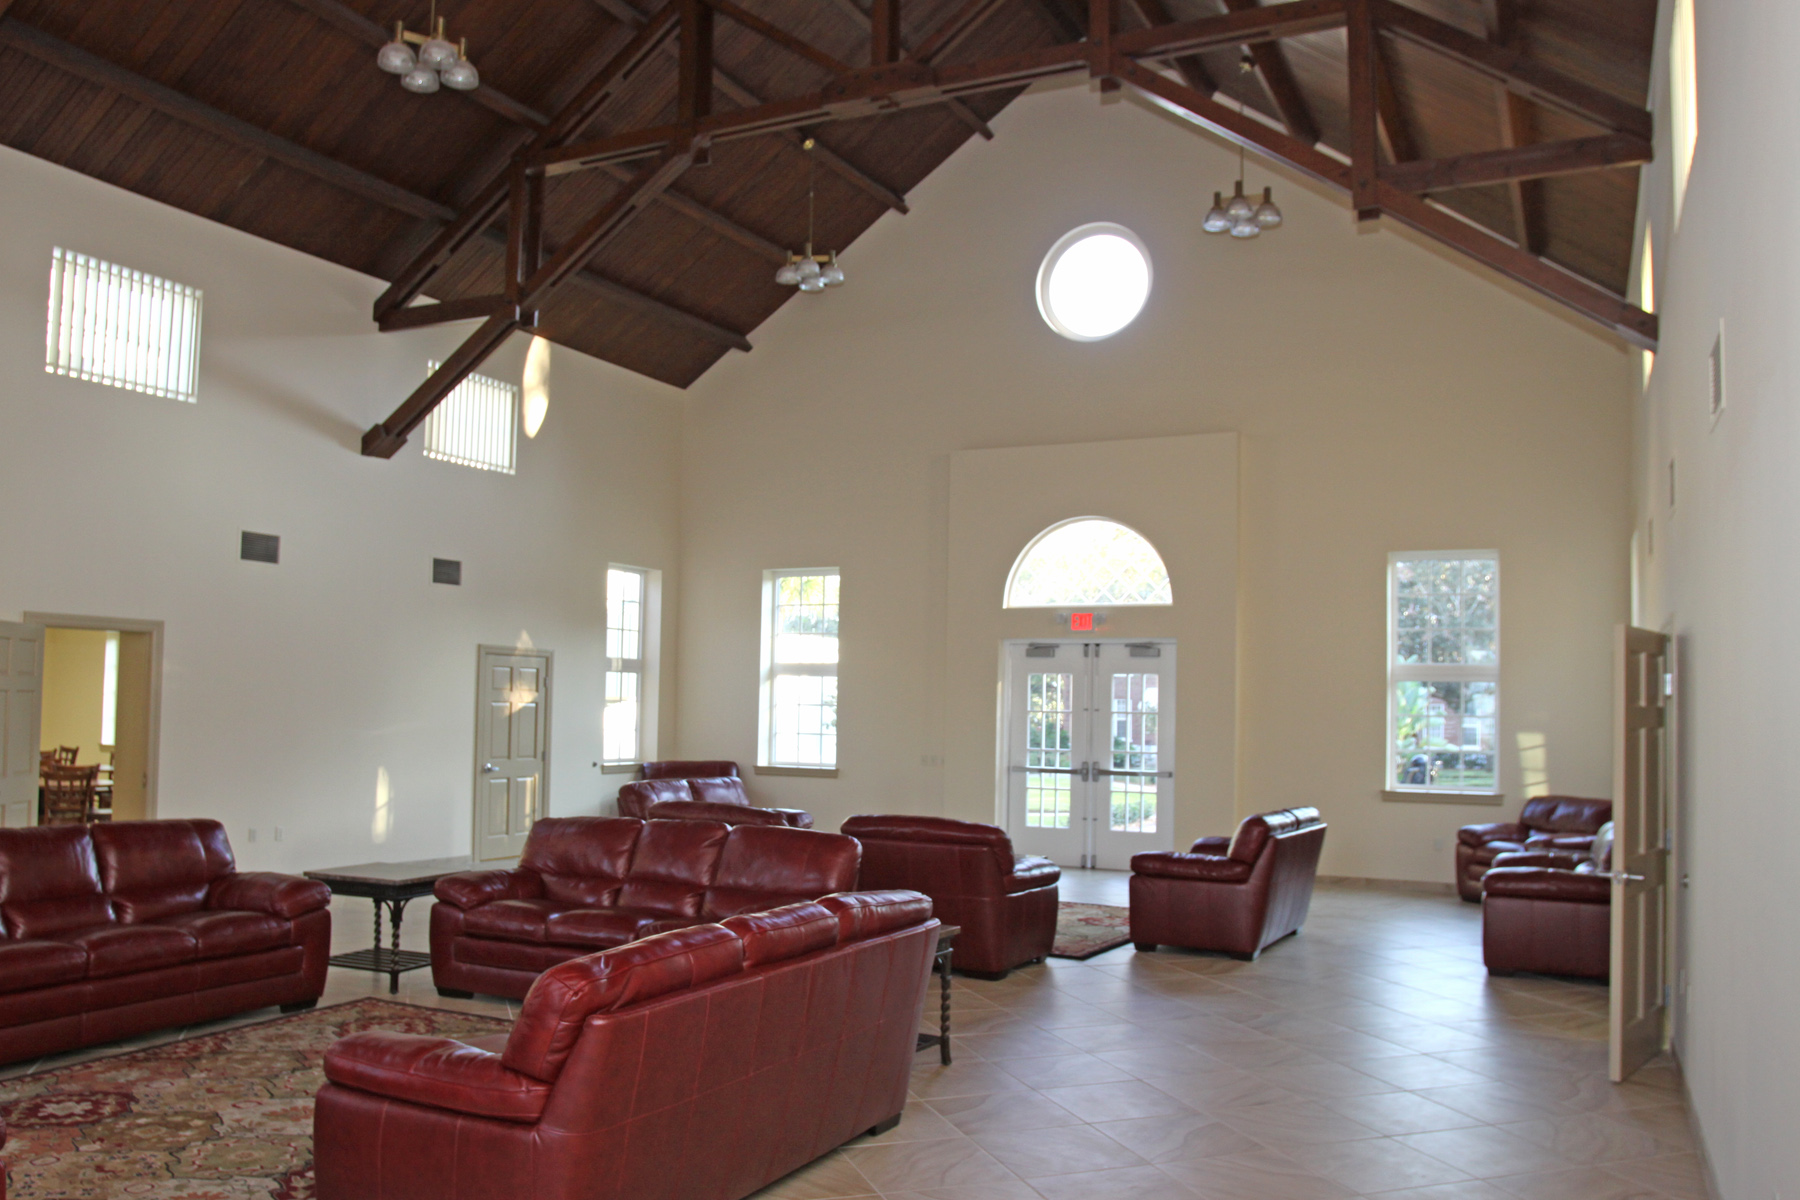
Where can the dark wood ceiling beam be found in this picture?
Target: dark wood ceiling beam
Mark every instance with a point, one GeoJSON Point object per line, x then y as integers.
{"type": "Point", "coordinates": [1396, 127]}
{"type": "Point", "coordinates": [1365, 141]}
{"type": "Point", "coordinates": [884, 20]}
{"type": "Point", "coordinates": [1524, 197]}
{"type": "Point", "coordinates": [1277, 76]}
{"type": "Point", "coordinates": [955, 29]}
{"type": "Point", "coordinates": [769, 31]}
{"type": "Point", "coordinates": [57, 53]}
{"type": "Point", "coordinates": [1292, 18]}
{"type": "Point", "coordinates": [1539, 160]}
{"type": "Point", "coordinates": [1517, 73]}
{"type": "Point", "coordinates": [1155, 12]}
{"type": "Point", "coordinates": [420, 316]}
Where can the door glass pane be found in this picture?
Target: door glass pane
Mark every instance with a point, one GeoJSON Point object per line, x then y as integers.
{"type": "Point", "coordinates": [1444, 734]}
{"type": "Point", "coordinates": [1134, 748]}
{"type": "Point", "coordinates": [1049, 724]}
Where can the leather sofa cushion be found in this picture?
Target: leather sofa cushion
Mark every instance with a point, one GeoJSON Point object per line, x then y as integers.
{"type": "Point", "coordinates": [863, 915]}
{"type": "Point", "coordinates": [1480, 835]}
{"type": "Point", "coordinates": [1214, 868]}
{"type": "Point", "coordinates": [719, 789]}
{"type": "Point", "coordinates": [1561, 860]}
{"type": "Point", "coordinates": [1565, 814]}
{"type": "Point", "coordinates": [50, 881]}
{"type": "Point", "coordinates": [762, 867]}
{"type": "Point", "coordinates": [284, 896]}
{"type": "Point", "coordinates": [1255, 831]}
{"type": "Point", "coordinates": [707, 810]}
{"type": "Point", "coordinates": [154, 869]}
{"type": "Point", "coordinates": [533, 957]}
{"type": "Point", "coordinates": [565, 996]}
{"type": "Point", "coordinates": [512, 920]}
{"type": "Point", "coordinates": [581, 860]}
{"type": "Point", "coordinates": [687, 768]}
{"type": "Point", "coordinates": [124, 949]}
{"type": "Point", "coordinates": [225, 934]}
{"type": "Point", "coordinates": [1030, 871]}
{"type": "Point", "coordinates": [440, 1072]}
{"type": "Point", "coordinates": [28, 965]}
{"type": "Point", "coordinates": [1543, 883]}
{"type": "Point", "coordinates": [674, 863]}
{"type": "Point", "coordinates": [1211, 845]}
{"type": "Point", "coordinates": [594, 928]}
{"type": "Point", "coordinates": [784, 933]}
{"type": "Point", "coordinates": [635, 799]}
{"type": "Point", "coordinates": [942, 830]}
{"type": "Point", "coordinates": [470, 888]}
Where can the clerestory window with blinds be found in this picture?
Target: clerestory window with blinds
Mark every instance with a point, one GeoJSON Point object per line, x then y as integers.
{"type": "Point", "coordinates": [124, 328]}
{"type": "Point", "coordinates": [477, 425]}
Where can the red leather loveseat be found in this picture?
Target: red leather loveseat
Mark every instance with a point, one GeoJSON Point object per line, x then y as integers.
{"type": "Point", "coordinates": [1005, 904]}
{"type": "Point", "coordinates": [1236, 895]}
{"type": "Point", "coordinates": [1548, 913]}
{"type": "Point", "coordinates": [118, 928]}
{"type": "Point", "coordinates": [1548, 824]}
{"type": "Point", "coordinates": [590, 883]}
{"type": "Point", "coordinates": [701, 1064]}
{"type": "Point", "coordinates": [700, 790]}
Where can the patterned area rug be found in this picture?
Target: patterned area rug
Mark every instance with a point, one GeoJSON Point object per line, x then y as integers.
{"type": "Point", "coordinates": [224, 1116]}
{"type": "Point", "coordinates": [1084, 930]}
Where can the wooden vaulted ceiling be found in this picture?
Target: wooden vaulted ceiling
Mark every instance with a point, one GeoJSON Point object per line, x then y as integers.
{"type": "Point", "coordinates": [270, 116]}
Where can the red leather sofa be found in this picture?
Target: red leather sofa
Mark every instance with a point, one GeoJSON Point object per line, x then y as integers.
{"type": "Point", "coordinates": [1565, 824]}
{"type": "Point", "coordinates": [591, 883]}
{"type": "Point", "coordinates": [1005, 903]}
{"type": "Point", "coordinates": [689, 768]}
{"type": "Point", "coordinates": [701, 1064]}
{"type": "Point", "coordinates": [118, 928]}
{"type": "Point", "coordinates": [1234, 895]}
{"type": "Point", "coordinates": [637, 799]}
{"type": "Point", "coordinates": [1547, 913]}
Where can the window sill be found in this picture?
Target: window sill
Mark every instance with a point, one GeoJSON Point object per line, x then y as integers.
{"type": "Point", "coordinates": [1440, 796]}
{"type": "Point", "coordinates": [629, 768]}
{"type": "Point", "coordinates": [813, 772]}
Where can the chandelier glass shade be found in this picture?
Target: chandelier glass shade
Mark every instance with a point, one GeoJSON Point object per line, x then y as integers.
{"type": "Point", "coordinates": [437, 61]}
{"type": "Point", "coordinates": [811, 273]}
{"type": "Point", "coordinates": [1241, 216]}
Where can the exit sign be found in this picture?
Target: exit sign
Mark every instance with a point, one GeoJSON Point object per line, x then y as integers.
{"type": "Point", "coordinates": [1079, 622]}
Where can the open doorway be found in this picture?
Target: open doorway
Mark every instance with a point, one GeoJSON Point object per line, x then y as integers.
{"type": "Point", "coordinates": [102, 694]}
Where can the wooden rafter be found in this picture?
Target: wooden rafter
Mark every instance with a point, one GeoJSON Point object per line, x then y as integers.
{"type": "Point", "coordinates": [1277, 76]}
{"type": "Point", "coordinates": [1526, 197]}
{"type": "Point", "coordinates": [887, 46]}
{"type": "Point", "coordinates": [1153, 13]}
{"type": "Point", "coordinates": [1540, 160]}
{"type": "Point", "coordinates": [1395, 127]}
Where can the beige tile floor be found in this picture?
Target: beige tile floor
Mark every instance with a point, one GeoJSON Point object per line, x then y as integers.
{"type": "Point", "coordinates": [1369, 1056]}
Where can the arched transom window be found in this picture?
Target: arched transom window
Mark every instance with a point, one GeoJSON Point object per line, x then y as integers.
{"type": "Point", "coordinates": [1089, 560]}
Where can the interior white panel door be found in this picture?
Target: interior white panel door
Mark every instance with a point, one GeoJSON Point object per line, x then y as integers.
{"type": "Point", "coordinates": [1639, 995]}
{"type": "Point", "coordinates": [21, 711]}
{"type": "Point", "coordinates": [511, 749]}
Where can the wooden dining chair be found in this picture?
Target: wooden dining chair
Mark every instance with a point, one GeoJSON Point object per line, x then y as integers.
{"type": "Point", "coordinates": [66, 755]}
{"type": "Point", "coordinates": [69, 794]}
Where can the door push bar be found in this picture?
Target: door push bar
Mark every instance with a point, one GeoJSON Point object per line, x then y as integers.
{"type": "Point", "coordinates": [1089, 771]}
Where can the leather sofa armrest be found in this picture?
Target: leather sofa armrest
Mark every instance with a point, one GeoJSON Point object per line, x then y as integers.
{"type": "Point", "coordinates": [1547, 883]}
{"type": "Point", "coordinates": [1210, 845]}
{"type": "Point", "coordinates": [470, 889]}
{"type": "Point", "coordinates": [440, 1072]}
{"type": "Point", "coordinates": [1214, 868]}
{"type": "Point", "coordinates": [1030, 871]}
{"type": "Point", "coordinates": [285, 896]}
{"type": "Point", "coordinates": [1537, 858]}
{"type": "Point", "coordinates": [797, 818]}
{"type": "Point", "coordinates": [1480, 835]}
{"type": "Point", "coordinates": [1566, 842]}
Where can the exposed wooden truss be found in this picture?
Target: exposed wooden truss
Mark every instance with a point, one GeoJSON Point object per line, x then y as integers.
{"type": "Point", "coordinates": [893, 83]}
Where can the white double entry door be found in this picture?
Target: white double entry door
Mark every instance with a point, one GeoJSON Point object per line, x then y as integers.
{"type": "Point", "coordinates": [1089, 756]}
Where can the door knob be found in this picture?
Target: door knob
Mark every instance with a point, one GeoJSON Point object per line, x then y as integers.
{"type": "Point", "coordinates": [487, 768]}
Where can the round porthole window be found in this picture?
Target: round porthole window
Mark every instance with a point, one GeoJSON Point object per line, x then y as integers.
{"type": "Point", "coordinates": [1094, 281]}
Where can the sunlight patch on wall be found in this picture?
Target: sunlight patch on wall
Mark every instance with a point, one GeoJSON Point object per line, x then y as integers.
{"type": "Point", "coordinates": [383, 823]}
{"type": "Point", "coordinates": [1534, 764]}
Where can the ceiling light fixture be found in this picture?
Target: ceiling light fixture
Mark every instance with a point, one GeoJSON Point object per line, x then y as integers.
{"type": "Point", "coordinates": [808, 271]}
{"type": "Point", "coordinates": [439, 60]}
{"type": "Point", "coordinates": [1240, 216]}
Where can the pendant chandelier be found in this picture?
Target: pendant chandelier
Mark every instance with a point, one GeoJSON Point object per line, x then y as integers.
{"type": "Point", "coordinates": [1240, 216]}
{"type": "Point", "coordinates": [807, 271]}
{"type": "Point", "coordinates": [439, 60]}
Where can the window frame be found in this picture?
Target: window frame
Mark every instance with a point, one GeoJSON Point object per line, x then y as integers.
{"type": "Point", "coordinates": [766, 762]}
{"type": "Point", "coordinates": [646, 667]}
{"type": "Point", "coordinates": [1427, 672]}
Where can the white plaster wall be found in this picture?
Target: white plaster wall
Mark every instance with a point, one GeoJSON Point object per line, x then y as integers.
{"type": "Point", "coordinates": [286, 688]}
{"type": "Point", "coordinates": [1725, 563]}
{"type": "Point", "coordinates": [1389, 397]}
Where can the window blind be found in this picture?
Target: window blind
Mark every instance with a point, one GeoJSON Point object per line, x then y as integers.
{"type": "Point", "coordinates": [124, 328]}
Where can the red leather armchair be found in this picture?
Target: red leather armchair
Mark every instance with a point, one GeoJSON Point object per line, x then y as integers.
{"type": "Point", "coordinates": [1548, 823]}
{"type": "Point", "coordinates": [1236, 896]}
{"type": "Point", "coordinates": [1548, 913]}
{"type": "Point", "coordinates": [119, 928]}
{"type": "Point", "coordinates": [1006, 904]}
{"type": "Point", "coordinates": [704, 1063]}
{"type": "Point", "coordinates": [713, 791]}
{"type": "Point", "coordinates": [690, 768]}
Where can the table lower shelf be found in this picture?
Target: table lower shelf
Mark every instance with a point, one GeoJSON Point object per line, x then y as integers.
{"type": "Point", "coordinates": [382, 960]}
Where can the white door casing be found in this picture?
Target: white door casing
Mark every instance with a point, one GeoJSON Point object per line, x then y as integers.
{"type": "Point", "coordinates": [512, 748]}
{"type": "Point", "coordinates": [21, 711]}
{"type": "Point", "coordinates": [1639, 994]}
{"type": "Point", "coordinates": [1089, 729]}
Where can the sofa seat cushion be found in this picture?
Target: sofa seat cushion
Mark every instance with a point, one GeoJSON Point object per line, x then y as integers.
{"type": "Point", "coordinates": [440, 1072]}
{"type": "Point", "coordinates": [592, 928]}
{"type": "Point", "coordinates": [510, 920]}
{"type": "Point", "coordinates": [1548, 883]}
{"type": "Point", "coordinates": [535, 957]}
{"type": "Point", "coordinates": [28, 965]}
{"type": "Point", "coordinates": [226, 934]}
{"type": "Point", "coordinates": [1487, 852]}
{"type": "Point", "coordinates": [1212, 868]}
{"type": "Point", "coordinates": [126, 949]}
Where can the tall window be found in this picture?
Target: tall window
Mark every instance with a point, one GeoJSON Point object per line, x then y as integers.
{"type": "Point", "coordinates": [123, 328]}
{"type": "Point", "coordinates": [477, 425]}
{"type": "Point", "coordinates": [800, 664]}
{"type": "Point", "coordinates": [1443, 671]}
{"type": "Point", "coordinates": [622, 720]}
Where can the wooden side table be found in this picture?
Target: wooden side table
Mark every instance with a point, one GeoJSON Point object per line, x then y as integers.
{"type": "Point", "coordinates": [392, 885]}
{"type": "Point", "coordinates": [941, 964]}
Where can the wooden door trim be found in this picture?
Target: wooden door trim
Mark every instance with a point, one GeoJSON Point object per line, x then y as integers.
{"type": "Point", "coordinates": [153, 751]}
{"type": "Point", "coordinates": [548, 708]}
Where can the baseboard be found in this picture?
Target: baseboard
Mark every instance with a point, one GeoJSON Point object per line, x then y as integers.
{"type": "Point", "coordinates": [1411, 887]}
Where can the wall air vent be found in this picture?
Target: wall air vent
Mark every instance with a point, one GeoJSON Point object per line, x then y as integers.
{"type": "Point", "coordinates": [447, 570]}
{"type": "Point", "coordinates": [259, 547]}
